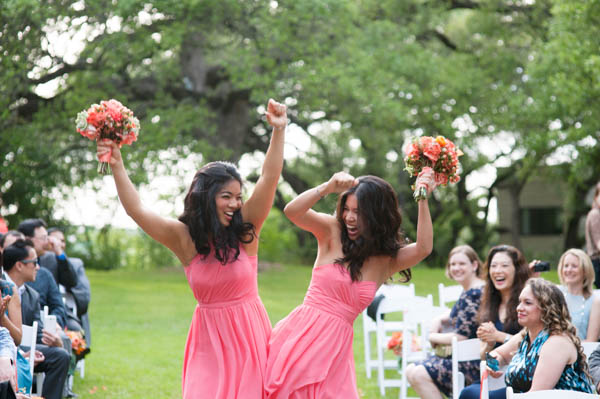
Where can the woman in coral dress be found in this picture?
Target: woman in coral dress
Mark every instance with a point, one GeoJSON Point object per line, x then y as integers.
{"type": "Point", "coordinates": [216, 239]}
{"type": "Point", "coordinates": [310, 351]}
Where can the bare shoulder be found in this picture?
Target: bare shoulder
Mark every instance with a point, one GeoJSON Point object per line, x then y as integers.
{"type": "Point", "coordinates": [559, 346]}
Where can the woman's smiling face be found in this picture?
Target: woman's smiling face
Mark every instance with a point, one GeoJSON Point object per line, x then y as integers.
{"type": "Point", "coordinates": [502, 271]}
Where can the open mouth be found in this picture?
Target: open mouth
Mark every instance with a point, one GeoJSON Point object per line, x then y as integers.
{"type": "Point", "coordinates": [228, 216]}
{"type": "Point", "coordinates": [499, 280]}
{"type": "Point", "coordinates": [352, 230]}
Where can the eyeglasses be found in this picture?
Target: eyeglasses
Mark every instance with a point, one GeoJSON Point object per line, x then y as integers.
{"type": "Point", "coordinates": [30, 261]}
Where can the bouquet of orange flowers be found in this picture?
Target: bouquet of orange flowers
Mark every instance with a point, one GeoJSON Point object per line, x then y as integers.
{"type": "Point", "coordinates": [395, 343]}
{"type": "Point", "coordinates": [108, 120]}
{"type": "Point", "coordinates": [78, 343]}
{"type": "Point", "coordinates": [439, 154]}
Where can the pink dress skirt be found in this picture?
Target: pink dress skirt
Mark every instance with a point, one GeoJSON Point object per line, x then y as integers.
{"type": "Point", "coordinates": [310, 351]}
{"type": "Point", "coordinates": [226, 348]}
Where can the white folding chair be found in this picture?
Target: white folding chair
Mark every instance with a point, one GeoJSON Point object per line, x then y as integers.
{"type": "Point", "coordinates": [389, 305]}
{"type": "Point", "coordinates": [550, 394]}
{"type": "Point", "coordinates": [29, 337]}
{"type": "Point", "coordinates": [589, 347]}
{"type": "Point", "coordinates": [394, 292]}
{"type": "Point", "coordinates": [462, 351]}
{"type": "Point", "coordinates": [417, 321]}
{"type": "Point", "coordinates": [449, 293]}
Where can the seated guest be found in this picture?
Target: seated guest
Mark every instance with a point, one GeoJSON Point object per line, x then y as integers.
{"type": "Point", "coordinates": [577, 277]}
{"type": "Point", "coordinates": [79, 294]}
{"type": "Point", "coordinates": [434, 374]}
{"type": "Point", "coordinates": [52, 257]}
{"type": "Point", "coordinates": [45, 286]}
{"type": "Point", "coordinates": [506, 272]}
{"type": "Point", "coordinates": [20, 264]}
{"type": "Point", "coordinates": [547, 352]}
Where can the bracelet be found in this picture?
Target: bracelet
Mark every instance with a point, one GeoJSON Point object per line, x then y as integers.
{"type": "Point", "coordinates": [507, 338]}
{"type": "Point", "coordinates": [318, 193]}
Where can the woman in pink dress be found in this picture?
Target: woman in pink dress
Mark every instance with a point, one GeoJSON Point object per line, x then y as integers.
{"type": "Point", "coordinates": [361, 247]}
{"type": "Point", "coordinates": [216, 239]}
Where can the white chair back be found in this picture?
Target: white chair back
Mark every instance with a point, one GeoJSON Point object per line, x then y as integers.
{"type": "Point", "coordinates": [397, 292]}
{"type": "Point", "coordinates": [448, 294]}
{"type": "Point", "coordinates": [549, 394]}
{"type": "Point", "coordinates": [394, 305]}
{"type": "Point", "coordinates": [29, 338]}
{"type": "Point", "coordinates": [417, 320]}
{"type": "Point", "coordinates": [462, 351]}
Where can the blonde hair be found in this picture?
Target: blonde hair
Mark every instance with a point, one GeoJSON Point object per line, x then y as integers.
{"type": "Point", "coordinates": [589, 276]}
{"type": "Point", "coordinates": [469, 253]}
{"type": "Point", "coordinates": [554, 315]}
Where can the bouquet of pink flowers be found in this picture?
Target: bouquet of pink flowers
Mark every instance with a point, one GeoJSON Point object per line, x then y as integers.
{"type": "Point", "coordinates": [439, 154]}
{"type": "Point", "coordinates": [108, 120]}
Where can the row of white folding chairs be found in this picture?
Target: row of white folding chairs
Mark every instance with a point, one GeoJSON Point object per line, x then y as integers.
{"type": "Point", "coordinates": [447, 294]}
{"type": "Point", "coordinates": [400, 298]}
{"type": "Point", "coordinates": [417, 314]}
{"type": "Point", "coordinates": [400, 293]}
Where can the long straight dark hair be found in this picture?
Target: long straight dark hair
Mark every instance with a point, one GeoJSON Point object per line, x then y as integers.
{"type": "Point", "coordinates": [380, 221]}
{"type": "Point", "coordinates": [200, 214]}
{"type": "Point", "coordinates": [491, 298]}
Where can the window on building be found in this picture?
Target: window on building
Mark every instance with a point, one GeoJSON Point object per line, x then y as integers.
{"type": "Point", "coordinates": [541, 221]}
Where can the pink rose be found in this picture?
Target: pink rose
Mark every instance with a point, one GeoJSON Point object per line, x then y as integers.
{"type": "Point", "coordinates": [113, 108]}
{"type": "Point", "coordinates": [432, 151]}
{"type": "Point", "coordinates": [441, 179]}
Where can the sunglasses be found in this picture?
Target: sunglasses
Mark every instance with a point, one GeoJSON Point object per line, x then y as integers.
{"type": "Point", "coordinates": [30, 261]}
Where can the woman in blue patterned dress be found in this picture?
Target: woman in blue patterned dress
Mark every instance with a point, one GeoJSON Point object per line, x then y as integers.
{"type": "Point", "coordinates": [548, 351]}
{"type": "Point", "coordinates": [433, 376]}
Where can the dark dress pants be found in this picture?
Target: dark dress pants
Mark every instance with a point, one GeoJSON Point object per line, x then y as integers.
{"type": "Point", "coordinates": [56, 366]}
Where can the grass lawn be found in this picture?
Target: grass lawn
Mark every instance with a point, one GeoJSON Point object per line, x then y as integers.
{"type": "Point", "coordinates": [140, 322]}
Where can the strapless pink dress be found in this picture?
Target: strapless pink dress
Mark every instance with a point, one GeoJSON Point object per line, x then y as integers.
{"type": "Point", "coordinates": [226, 348]}
{"type": "Point", "coordinates": [310, 351]}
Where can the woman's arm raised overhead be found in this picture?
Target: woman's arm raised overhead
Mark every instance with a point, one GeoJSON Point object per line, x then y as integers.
{"type": "Point", "coordinates": [257, 207]}
{"type": "Point", "coordinates": [413, 253]}
{"type": "Point", "coordinates": [299, 209]}
{"type": "Point", "coordinates": [170, 232]}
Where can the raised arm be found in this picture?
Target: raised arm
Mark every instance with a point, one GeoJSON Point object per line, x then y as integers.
{"type": "Point", "coordinates": [256, 209]}
{"type": "Point", "coordinates": [299, 209]}
{"type": "Point", "coordinates": [169, 232]}
{"type": "Point", "coordinates": [413, 253]}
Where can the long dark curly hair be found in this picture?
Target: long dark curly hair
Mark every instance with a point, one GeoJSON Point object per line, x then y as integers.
{"type": "Point", "coordinates": [200, 214]}
{"type": "Point", "coordinates": [491, 298]}
{"type": "Point", "coordinates": [555, 316]}
{"type": "Point", "coordinates": [380, 220]}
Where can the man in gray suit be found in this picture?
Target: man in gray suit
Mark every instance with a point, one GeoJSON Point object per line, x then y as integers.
{"type": "Point", "coordinates": [80, 294]}
{"type": "Point", "coordinates": [21, 265]}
